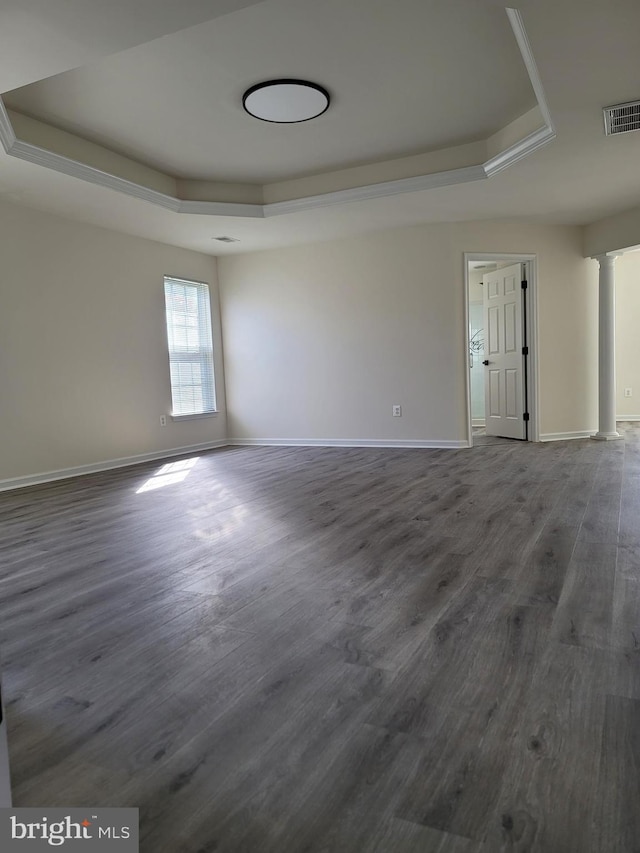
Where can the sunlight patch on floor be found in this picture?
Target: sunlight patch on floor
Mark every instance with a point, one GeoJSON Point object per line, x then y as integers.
{"type": "Point", "coordinates": [172, 472]}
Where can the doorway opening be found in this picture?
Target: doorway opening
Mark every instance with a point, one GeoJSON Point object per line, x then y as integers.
{"type": "Point", "coordinates": [501, 347]}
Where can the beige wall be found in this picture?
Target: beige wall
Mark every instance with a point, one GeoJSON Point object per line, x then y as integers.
{"type": "Point", "coordinates": [567, 316]}
{"type": "Point", "coordinates": [84, 372]}
{"type": "Point", "coordinates": [321, 341]}
{"type": "Point", "coordinates": [628, 334]}
{"type": "Point", "coordinates": [619, 231]}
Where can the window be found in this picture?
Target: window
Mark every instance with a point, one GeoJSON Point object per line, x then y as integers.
{"type": "Point", "coordinates": [190, 347]}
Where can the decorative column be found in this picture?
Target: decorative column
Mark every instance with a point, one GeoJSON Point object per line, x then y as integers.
{"type": "Point", "coordinates": [607, 351]}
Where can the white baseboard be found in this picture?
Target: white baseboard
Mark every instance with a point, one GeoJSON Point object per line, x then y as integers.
{"type": "Point", "coordinates": [565, 436]}
{"type": "Point", "coordinates": [107, 465]}
{"type": "Point", "coordinates": [348, 442]}
{"type": "Point", "coordinates": [478, 422]}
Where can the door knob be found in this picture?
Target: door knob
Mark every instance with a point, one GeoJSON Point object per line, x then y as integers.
{"type": "Point", "coordinates": [486, 361]}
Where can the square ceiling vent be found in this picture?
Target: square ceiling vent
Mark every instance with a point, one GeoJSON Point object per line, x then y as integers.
{"type": "Point", "coordinates": [622, 118]}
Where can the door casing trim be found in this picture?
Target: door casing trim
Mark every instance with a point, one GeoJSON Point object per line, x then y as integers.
{"type": "Point", "coordinates": [531, 297]}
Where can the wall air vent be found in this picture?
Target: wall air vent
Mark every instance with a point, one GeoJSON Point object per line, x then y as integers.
{"type": "Point", "coordinates": [622, 118]}
{"type": "Point", "coordinates": [226, 239]}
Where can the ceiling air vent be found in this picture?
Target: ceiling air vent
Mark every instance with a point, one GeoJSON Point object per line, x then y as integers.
{"type": "Point", "coordinates": [226, 239]}
{"type": "Point", "coordinates": [622, 118]}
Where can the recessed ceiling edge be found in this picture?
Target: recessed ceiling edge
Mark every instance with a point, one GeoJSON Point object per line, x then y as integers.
{"type": "Point", "coordinates": [15, 147]}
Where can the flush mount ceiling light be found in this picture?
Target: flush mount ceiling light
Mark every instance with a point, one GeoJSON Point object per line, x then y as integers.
{"type": "Point", "coordinates": [285, 101]}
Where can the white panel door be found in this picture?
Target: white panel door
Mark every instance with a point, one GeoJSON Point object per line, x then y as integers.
{"type": "Point", "coordinates": [504, 361]}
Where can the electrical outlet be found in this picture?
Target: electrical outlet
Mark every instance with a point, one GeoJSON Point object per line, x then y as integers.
{"type": "Point", "coordinates": [397, 411]}
{"type": "Point", "coordinates": [627, 392]}
{"type": "Point", "coordinates": [163, 420]}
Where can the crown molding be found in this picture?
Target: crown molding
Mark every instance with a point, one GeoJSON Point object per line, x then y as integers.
{"type": "Point", "coordinates": [370, 191]}
{"type": "Point", "coordinates": [68, 166]}
{"type": "Point", "coordinates": [60, 163]}
{"type": "Point", "coordinates": [544, 134]}
{"type": "Point", "coordinates": [7, 135]}
{"type": "Point", "coordinates": [519, 150]}
{"type": "Point", "coordinates": [517, 25]}
{"type": "Point", "coordinates": [222, 208]}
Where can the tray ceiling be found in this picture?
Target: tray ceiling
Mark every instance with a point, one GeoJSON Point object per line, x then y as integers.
{"type": "Point", "coordinates": [405, 78]}
{"type": "Point", "coordinates": [129, 114]}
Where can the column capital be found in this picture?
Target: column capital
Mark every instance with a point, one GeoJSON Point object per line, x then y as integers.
{"type": "Point", "coordinates": [605, 260]}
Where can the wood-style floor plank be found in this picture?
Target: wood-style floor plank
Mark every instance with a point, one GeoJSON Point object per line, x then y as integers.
{"type": "Point", "coordinates": [585, 606]}
{"type": "Point", "coordinates": [474, 714]}
{"type": "Point", "coordinates": [549, 787]}
{"type": "Point", "coordinates": [334, 650]}
{"type": "Point", "coordinates": [616, 821]}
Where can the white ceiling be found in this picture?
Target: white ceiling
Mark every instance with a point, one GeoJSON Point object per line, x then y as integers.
{"type": "Point", "coordinates": [39, 38]}
{"type": "Point", "coordinates": [406, 77]}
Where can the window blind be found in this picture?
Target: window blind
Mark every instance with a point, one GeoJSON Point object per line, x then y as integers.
{"type": "Point", "coordinates": [190, 341]}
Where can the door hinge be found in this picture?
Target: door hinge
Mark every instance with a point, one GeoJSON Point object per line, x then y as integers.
{"type": "Point", "coordinates": [525, 350]}
{"type": "Point", "coordinates": [525, 416]}
{"type": "Point", "coordinates": [523, 284]}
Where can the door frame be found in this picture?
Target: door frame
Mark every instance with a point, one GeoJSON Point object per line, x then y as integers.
{"type": "Point", "coordinates": [531, 329]}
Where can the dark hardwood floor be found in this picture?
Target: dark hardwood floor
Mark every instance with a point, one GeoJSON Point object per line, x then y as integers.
{"type": "Point", "coordinates": [304, 650]}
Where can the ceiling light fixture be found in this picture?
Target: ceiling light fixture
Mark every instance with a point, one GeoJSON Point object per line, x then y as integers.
{"type": "Point", "coordinates": [286, 101]}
